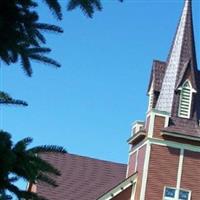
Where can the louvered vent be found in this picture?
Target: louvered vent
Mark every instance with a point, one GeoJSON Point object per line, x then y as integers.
{"type": "Point", "coordinates": [185, 100]}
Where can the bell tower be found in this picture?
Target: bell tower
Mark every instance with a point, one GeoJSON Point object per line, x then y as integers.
{"type": "Point", "coordinates": [165, 148]}
{"type": "Point", "coordinates": [164, 154]}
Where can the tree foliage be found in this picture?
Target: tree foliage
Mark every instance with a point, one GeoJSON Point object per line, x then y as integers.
{"type": "Point", "coordinates": [20, 162]}
{"type": "Point", "coordinates": [22, 34]}
{"type": "Point", "coordinates": [22, 40]}
{"type": "Point", "coordinates": [7, 99]}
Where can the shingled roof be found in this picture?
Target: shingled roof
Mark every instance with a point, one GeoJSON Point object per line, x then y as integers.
{"type": "Point", "coordinates": [82, 178]}
{"type": "Point", "coordinates": [157, 75]}
{"type": "Point", "coordinates": [182, 56]}
{"type": "Point", "coordinates": [167, 78]}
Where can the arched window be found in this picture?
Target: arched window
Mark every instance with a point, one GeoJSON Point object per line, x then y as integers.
{"type": "Point", "coordinates": [185, 99]}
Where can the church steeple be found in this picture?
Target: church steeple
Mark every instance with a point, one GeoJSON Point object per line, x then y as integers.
{"type": "Point", "coordinates": [181, 61]}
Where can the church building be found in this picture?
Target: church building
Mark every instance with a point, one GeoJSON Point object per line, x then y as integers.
{"type": "Point", "coordinates": [164, 154]}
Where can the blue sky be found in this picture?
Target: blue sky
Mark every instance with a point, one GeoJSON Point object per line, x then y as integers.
{"type": "Point", "coordinates": [88, 105]}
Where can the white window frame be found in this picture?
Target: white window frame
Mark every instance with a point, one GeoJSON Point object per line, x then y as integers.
{"type": "Point", "coordinates": [190, 100]}
{"type": "Point", "coordinates": [176, 193]}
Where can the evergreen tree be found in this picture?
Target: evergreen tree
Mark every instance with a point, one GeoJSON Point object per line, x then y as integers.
{"type": "Point", "coordinates": [7, 99]}
{"type": "Point", "coordinates": [22, 34]}
{"type": "Point", "coordinates": [22, 39]}
{"type": "Point", "coordinates": [20, 162]}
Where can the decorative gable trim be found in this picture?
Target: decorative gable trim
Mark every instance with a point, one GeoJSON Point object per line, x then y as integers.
{"type": "Point", "coordinates": [183, 75]}
{"type": "Point", "coordinates": [131, 181]}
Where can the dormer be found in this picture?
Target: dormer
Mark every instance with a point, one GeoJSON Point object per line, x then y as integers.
{"type": "Point", "coordinates": [185, 101]}
{"type": "Point", "coordinates": [155, 83]}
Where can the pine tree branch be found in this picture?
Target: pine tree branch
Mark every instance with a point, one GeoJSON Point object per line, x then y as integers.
{"type": "Point", "coordinates": [48, 27]}
{"type": "Point", "coordinates": [46, 179]}
{"type": "Point", "coordinates": [7, 99]}
{"type": "Point", "coordinates": [44, 59]}
{"type": "Point", "coordinates": [55, 7]}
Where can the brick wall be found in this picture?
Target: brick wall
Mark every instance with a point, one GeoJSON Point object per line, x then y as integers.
{"type": "Point", "coordinates": [124, 195]}
{"type": "Point", "coordinates": [191, 173]}
{"type": "Point", "coordinates": [140, 167]}
{"type": "Point", "coordinates": [163, 168]}
{"type": "Point", "coordinates": [131, 165]}
{"type": "Point", "coordinates": [159, 123]}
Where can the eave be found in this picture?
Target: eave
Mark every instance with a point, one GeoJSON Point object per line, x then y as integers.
{"type": "Point", "coordinates": [137, 137]}
{"type": "Point", "coordinates": [130, 181]}
{"type": "Point", "coordinates": [180, 135]}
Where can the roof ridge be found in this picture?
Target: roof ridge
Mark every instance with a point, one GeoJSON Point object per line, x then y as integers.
{"type": "Point", "coordinates": [98, 159]}
{"type": "Point", "coordinates": [87, 157]}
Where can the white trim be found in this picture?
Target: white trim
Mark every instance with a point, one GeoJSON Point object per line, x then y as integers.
{"type": "Point", "coordinates": [158, 112]}
{"type": "Point", "coordinates": [136, 136]}
{"type": "Point", "coordinates": [136, 161]}
{"type": "Point", "coordinates": [127, 169]}
{"type": "Point", "coordinates": [174, 144]}
{"type": "Point", "coordinates": [189, 191]}
{"type": "Point", "coordinates": [151, 124]}
{"type": "Point", "coordinates": [133, 191]}
{"type": "Point", "coordinates": [145, 171]}
{"type": "Point", "coordinates": [139, 146]}
{"type": "Point", "coordinates": [181, 136]}
{"type": "Point", "coordinates": [151, 97]}
{"type": "Point", "coordinates": [131, 181]}
{"type": "Point", "coordinates": [168, 198]}
{"type": "Point", "coordinates": [137, 125]}
{"type": "Point", "coordinates": [152, 114]}
{"type": "Point", "coordinates": [187, 110]}
{"type": "Point", "coordinates": [166, 121]}
{"type": "Point", "coordinates": [132, 152]}
{"type": "Point", "coordinates": [180, 170]}
{"type": "Point", "coordinates": [176, 193]}
{"type": "Point", "coordinates": [192, 89]}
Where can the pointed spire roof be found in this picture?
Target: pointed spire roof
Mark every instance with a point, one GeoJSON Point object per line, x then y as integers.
{"type": "Point", "coordinates": [182, 53]}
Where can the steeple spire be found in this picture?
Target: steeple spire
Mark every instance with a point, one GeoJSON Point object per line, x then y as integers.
{"type": "Point", "coordinates": [181, 56]}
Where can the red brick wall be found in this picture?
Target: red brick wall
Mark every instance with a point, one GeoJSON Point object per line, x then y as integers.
{"type": "Point", "coordinates": [124, 195]}
{"type": "Point", "coordinates": [191, 173]}
{"type": "Point", "coordinates": [159, 123]}
{"type": "Point", "coordinates": [163, 168]}
{"type": "Point", "coordinates": [140, 166]}
{"type": "Point", "coordinates": [131, 166]}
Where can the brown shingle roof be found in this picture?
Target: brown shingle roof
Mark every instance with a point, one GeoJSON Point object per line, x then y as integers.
{"type": "Point", "coordinates": [82, 178]}
{"type": "Point", "coordinates": [183, 126]}
{"type": "Point", "coordinates": [157, 75]}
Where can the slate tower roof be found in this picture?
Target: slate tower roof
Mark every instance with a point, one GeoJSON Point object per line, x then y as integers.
{"type": "Point", "coordinates": [181, 61]}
